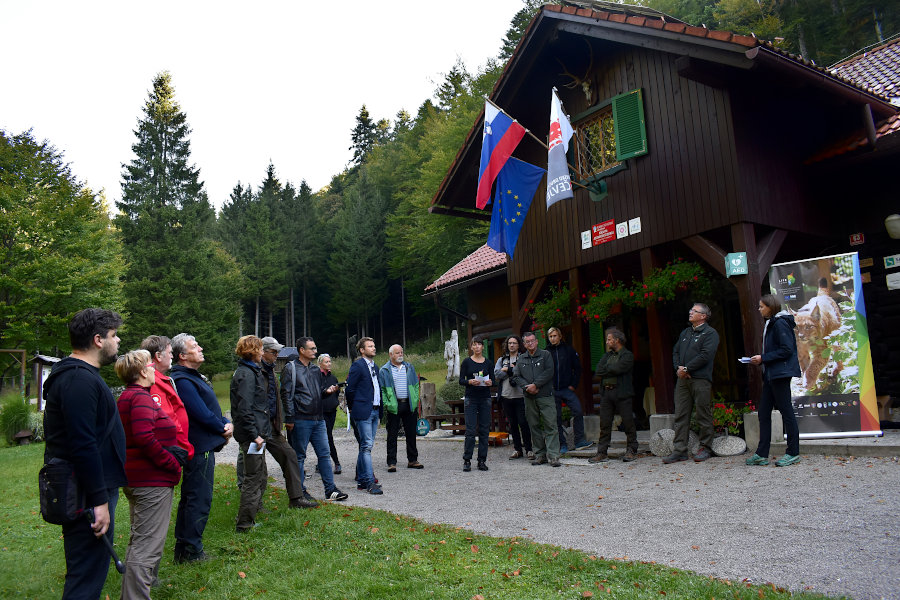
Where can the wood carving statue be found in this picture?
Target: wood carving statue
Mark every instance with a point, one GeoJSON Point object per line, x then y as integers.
{"type": "Point", "coordinates": [451, 355]}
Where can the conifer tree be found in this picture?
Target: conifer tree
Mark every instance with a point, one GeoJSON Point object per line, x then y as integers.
{"type": "Point", "coordinates": [178, 278]}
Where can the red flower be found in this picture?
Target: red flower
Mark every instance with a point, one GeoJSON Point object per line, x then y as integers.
{"type": "Point", "coordinates": [531, 302]}
{"type": "Point", "coordinates": [645, 295]}
{"type": "Point", "coordinates": [695, 278]}
{"type": "Point", "coordinates": [645, 286]}
{"type": "Point", "coordinates": [596, 316]}
{"type": "Point", "coordinates": [651, 294]}
{"type": "Point", "coordinates": [673, 272]}
{"type": "Point", "coordinates": [631, 293]}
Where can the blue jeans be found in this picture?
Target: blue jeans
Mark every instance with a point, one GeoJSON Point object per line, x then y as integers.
{"type": "Point", "coordinates": [312, 430]}
{"type": "Point", "coordinates": [367, 429]}
{"type": "Point", "coordinates": [478, 422]}
{"type": "Point", "coordinates": [193, 508]}
{"type": "Point", "coordinates": [574, 404]}
{"type": "Point", "coordinates": [87, 560]}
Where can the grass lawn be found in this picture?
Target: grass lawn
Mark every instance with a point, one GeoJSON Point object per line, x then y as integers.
{"type": "Point", "coordinates": [337, 551]}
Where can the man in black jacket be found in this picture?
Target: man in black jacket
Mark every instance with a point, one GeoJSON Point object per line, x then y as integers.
{"type": "Point", "coordinates": [615, 371]}
{"type": "Point", "coordinates": [566, 376]}
{"type": "Point", "coordinates": [81, 425]}
{"type": "Point", "coordinates": [693, 358]}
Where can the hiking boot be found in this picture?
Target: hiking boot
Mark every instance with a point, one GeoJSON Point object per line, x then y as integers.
{"type": "Point", "coordinates": [787, 460]}
{"type": "Point", "coordinates": [674, 457]}
{"type": "Point", "coordinates": [302, 502]}
{"type": "Point", "coordinates": [539, 460]}
{"type": "Point", "coordinates": [375, 489]}
{"type": "Point", "coordinates": [308, 497]}
{"type": "Point", "coordinates": [702, 454]}
{"type": "Point", "coordinates": [337, 468]}
{"type": "Point", "coordinates": [598, 458]}
{"type": "Point", "coordinates": [515, 455]}
{"type": "Point", "coordinates": [529, 455]}
{"type": "Point", "coordinates": [563, 449]}
{"type": "Point", "coordinates": [554, 462]}
{"type": "Point", "coordinates": [192, 558]}
{"type": "Point", "coordinates": [482, 466]}
{"type": "Point", "coordinates": [414, 464]}
{"type": "Point", "coordinates": [629, 456]}
{"type": "Point", "coordinates": [392, 468]}
{"type": "Point", "coordinates": [583, 445]}
{"type": "Point", "coordinates": [467, 465]}
{"type": "Point", "coordinates": [757, 460]}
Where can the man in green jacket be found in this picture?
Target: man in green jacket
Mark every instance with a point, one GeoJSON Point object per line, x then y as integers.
{"type": "Point", "coordinates": [534, 374]}
{"type": "Point", "coordinates": [400, 396]}
{"type": "Point", "coordinates": [615, 368]}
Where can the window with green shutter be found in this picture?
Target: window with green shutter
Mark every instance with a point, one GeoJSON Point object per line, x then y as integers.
{"type": "Point", "coordinates": [598, 342]}
{"type": "Point", "coordinates": [607, 134]}
{"type": "Point", "coordinates": [631, 132]}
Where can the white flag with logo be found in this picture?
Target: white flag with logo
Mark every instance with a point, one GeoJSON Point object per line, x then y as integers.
{"type": "Point", "coordinates": [559, 182]}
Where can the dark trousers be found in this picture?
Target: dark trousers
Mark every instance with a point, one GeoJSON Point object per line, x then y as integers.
{"type": "Point", "coordinates": [777, 394]}
{"type": "Point", "coordinates": [87, 559]}
{"type": "Point", "coordinates": [514, 409]}
{"type": "Point", "coordinates": [693, 395]}
{"type": "Point", "coordinates": [197, 478]}
{"type": "Point", "coordinates": [478, 422]}
{"type": "Point", "coordinates": [330, 416]}
{"type": "Point", "coordinates": [609, 406]}
{"type": "Point", "coordinates": [408, 419]}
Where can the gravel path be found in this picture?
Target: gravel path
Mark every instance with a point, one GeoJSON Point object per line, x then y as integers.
{"type": "Point", "coordinates": [829, 524]}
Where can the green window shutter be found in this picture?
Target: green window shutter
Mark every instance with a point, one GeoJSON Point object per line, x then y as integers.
{"type": "Point", "coordinates": [598, 342]}
{"type": "Point", "coordinates": [631, 133]}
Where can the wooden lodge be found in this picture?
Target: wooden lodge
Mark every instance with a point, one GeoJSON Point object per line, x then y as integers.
{"type": "Point", "coordinates": [746, 148]}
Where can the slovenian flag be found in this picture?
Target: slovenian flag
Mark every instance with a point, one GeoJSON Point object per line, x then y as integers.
{"type": "Point", "coordinates": [501, 136]}
{"type": "Point", "coordinates": [559, 182]}
{"type": "Point", "coordinates": [516, 185]}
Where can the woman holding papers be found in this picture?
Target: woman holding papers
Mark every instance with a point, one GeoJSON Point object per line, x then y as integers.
{"type": "Point", "coordinates": [780, 364]}
{"type": "Point", "coordinates": [153, 466]}
{"type": "Point", "coordinates": [252, 426]}
{"type": "Point", "coordinates": [474, 373]}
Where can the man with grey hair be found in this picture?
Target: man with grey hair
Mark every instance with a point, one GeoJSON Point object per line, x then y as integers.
{"type": "Point", "coordinates": [616, 392]}
{"type": "Point", "coordinates": [693, 358]}
{"type": "Point", "coordinates": [400, 396]}
{"type": "Point", "coordinates": [208, 431]}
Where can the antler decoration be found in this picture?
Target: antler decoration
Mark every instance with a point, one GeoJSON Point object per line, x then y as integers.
{"type": "Point", "coordinates": [584, 81]}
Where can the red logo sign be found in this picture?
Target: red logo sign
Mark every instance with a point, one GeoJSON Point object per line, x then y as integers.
{"type": "Point", "coordinates": [603, 232]}
{"type": "Point", "coordinates": [857, 238]}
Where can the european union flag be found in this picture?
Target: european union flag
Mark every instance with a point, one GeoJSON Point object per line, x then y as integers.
{"type": "Point", "coordinates": [516, 185]}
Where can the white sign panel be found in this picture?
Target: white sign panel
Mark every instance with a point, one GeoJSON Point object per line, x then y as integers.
{"type": "Point", "coordinates": [621, 230]}
{"type": "Point", "coordinates": [893, 281]}
{"type": "Point", "coordinates": [634, 225]}
{"type": "Point", "coordinates": [585, 240]}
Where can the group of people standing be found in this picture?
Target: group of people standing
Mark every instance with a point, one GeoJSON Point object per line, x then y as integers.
{"type": "Point", "coordinates": [533, 384]}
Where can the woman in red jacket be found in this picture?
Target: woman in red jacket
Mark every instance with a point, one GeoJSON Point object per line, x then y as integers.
{"type": "Point", "coordinates": [153, 467]}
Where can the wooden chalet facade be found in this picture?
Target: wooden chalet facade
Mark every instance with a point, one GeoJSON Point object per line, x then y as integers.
{"type": "Point", "coordinates": [732, 130]}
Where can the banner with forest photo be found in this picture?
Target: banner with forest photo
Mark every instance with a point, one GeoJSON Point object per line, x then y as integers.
{"type": "Point", "coordinates": [835, 393]}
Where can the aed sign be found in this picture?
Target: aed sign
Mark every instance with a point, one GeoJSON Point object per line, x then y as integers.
{"type": "Point", "coordinates": [736, 264]}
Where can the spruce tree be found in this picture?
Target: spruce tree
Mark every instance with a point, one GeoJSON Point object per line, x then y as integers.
{"type": "Point", "coordinates": [178, 278]}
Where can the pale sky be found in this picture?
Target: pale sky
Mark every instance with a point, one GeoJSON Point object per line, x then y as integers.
{"type": "Point", "coordinates": [258, 81]}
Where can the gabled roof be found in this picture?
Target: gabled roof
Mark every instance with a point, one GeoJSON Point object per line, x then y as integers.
{"type": "Point", "coordinates": [877, 69]}
{"type": "Point", "coordinates": [481, 264]}
{"type": "Point", "coordinates": [639, 26]}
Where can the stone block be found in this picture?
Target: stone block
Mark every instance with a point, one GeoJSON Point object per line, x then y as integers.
{"type": "Point", "coordinates": [662, 442]}
{"type": "Point", "coordinates": [592, 427]}
{"type": "Point", "coordinates": [661, 421]}
{"type": "Point", "coordinates": [751, 429]}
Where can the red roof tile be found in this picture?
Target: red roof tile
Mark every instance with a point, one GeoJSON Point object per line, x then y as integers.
{"type": "Point", "coordinates": [891, 126]}
{"type": "Point", "coordinates": [481, 261]}
{"type": "Point", "coordinates": [877, 69]}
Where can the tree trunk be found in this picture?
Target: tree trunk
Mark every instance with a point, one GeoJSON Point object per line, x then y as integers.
{"type": "Point", "coordinates": [293, 332]}
{"type": "Point", "coordinates": [305, 318]}
{"type": "Point", "coordinates": [347, 337]}
{"type": "Point", "coordinates": [801, 41]}
{"type": "Point", "coordinates": [403, 311]}
{"type": "Point", "coordinates": [271, 320]}
{"type": "Point", "coordinates": [256, 320]}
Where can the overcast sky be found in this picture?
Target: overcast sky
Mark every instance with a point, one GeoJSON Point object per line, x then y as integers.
{"type": "Point", "coordinates": [258, 81]}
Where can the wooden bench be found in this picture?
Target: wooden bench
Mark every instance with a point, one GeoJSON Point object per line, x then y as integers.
{"type": "Point", "coordinates": [457, 422]}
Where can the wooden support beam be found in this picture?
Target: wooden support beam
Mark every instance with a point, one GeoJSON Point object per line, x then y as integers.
{"type": "Point", "coordinates": [708, 251]}
{"type": "Point", "coordinates": [768, 249]}
{"type": "Point", "coordinates": [749, 286]}
{"type": "Point", "coordinates": [519, 312]}
{"type": "Point", "coordinates": [660, 347]}
{"type": "Point", "coordinates": [581, 342]}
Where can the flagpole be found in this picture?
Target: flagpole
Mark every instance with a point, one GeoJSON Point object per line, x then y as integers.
{"type": "Point", "coordinates": [536, 138]}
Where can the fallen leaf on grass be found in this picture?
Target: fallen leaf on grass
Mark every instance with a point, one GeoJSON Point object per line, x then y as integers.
{"type": "Point", "coordinates": [477, 597]}
{"type": "Point", "coordinates": [695, 547]}
{"type": "Point", "coordinates": [474, 549]}
{"type": "Point", "coordinates": [242, 575]}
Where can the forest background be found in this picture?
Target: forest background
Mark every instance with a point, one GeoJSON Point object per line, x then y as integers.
{"type": "Point", "coordinates": [280, 258]}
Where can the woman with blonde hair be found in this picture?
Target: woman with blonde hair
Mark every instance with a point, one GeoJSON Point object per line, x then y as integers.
{"type": "Point", "coordinates": [153, 464]}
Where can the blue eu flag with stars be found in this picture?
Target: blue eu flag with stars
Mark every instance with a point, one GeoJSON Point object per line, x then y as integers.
{"type": "Point", "coordinates": [516, 185]}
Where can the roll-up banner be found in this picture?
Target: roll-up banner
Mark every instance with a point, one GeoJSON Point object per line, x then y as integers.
{"type": "Point", "coordinates": [835, 393]}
